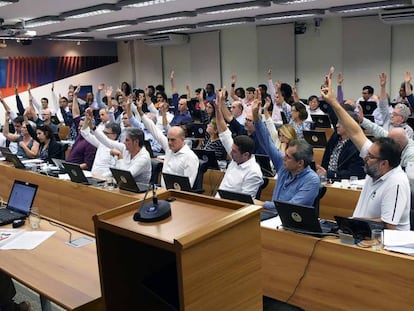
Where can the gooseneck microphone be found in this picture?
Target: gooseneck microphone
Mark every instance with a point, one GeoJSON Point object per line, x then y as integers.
{"type": "Point", "coordinates": [153, 211]}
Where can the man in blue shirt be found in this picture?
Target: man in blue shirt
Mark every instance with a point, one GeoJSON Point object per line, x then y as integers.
{"type": "Point", "coordinates": [296, 182]}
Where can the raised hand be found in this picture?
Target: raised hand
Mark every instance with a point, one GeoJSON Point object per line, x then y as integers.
{"type": "Point", "coordinates": [108, 92]}
{"type": "Point", "coordinates": [172, 75]}
{"type": "Point", "coordinates": [340, 78]}
{"type": "Point", "coordinates": [407, 77]}
{"type": "Point", "coordinates": [233, 79]}
{"type": "Point", "coordinates": [101, 86]}
{"type": "Point", "coordinates": [383, 79]}
{"type": "Point", "coordinates": [77, 90]}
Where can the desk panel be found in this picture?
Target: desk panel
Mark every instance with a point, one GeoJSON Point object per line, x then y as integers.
{"type": "Point", "coordinates": [338, 277]}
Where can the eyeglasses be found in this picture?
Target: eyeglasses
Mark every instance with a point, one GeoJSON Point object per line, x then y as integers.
{"type": "Point", "coordinates": [107, 133]}
{"type": "Point", "coordinates": [369, 156]}
{"type": "Point", "coordinates": [248, 120]}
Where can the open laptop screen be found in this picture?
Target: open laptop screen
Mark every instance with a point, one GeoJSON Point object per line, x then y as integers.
{"type": "Point", "coordinates": [22, 196]}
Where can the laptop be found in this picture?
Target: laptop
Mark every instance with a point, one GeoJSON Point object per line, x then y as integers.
{"type": "Point", "coordinates": [316, 139]}
{"type": "Point", "coordinates": [235, 196]}
{"type": "Point", "coordinates": [368, 107]}
{"type": "Point", "coordinates": [303, 219]}
{"type": "Point", "coordinates": [77, 175]}
{"type": "Point", "coordinates": [11, 157]}
{"type": "Point", "coordinates": [209, 157]}
{"type": "Point", "coordinates": [126, 181]}
{"type": "Point", "coordinates": [5, 149]}
{"type": "Point", "coordinates": [20, 202]}
{"type": "Point", "coordinates": [264, 162]}
{"type": "Point", "coordinates": [198, 130]}
{"type": "Point", "coordinates": [321, 120]}
{"type": "Point", "coordinates": [370, 117]}
{"type": "Point", "coordinates": [359, 228]}
{"type": "Point", "coordinates": [177, 182]}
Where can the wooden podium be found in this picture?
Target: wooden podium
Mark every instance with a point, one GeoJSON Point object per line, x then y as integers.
{"type": "Point", "coordinates": [206, 256]}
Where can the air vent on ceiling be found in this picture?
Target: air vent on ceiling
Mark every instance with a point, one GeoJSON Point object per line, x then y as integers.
{"type": "Point", "coordinates": [167, 39]}
{"type": "Point", "coordinates": [398, 16]}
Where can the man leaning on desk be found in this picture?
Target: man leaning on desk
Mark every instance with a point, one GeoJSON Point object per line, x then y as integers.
{"type": "Point", "coordinates": [386, 193]}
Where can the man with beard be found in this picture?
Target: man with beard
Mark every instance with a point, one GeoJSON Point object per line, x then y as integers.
{"type": "Point", "coordinates": [386, 193]}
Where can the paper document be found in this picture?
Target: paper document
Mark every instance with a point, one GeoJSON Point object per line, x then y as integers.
{"type": "Point", "coordinates": [399, 241]}
{"type": "Point", "coordinates": [20, 239]}
{"type": "Point", "coordinates": [272, 223]}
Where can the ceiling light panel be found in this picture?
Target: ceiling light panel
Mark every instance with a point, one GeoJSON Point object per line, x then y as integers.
{"type": "Point", "coordinates": [4, 3]}
{"type": "Point", "coordinates": [167, 17]}
{"type": "Point", "coordinates": [111, 26]}
{"type": "Point", "coordinates": [369, 6]}
{"type": "Point", "coordinates": [91, 11]}
{"type": "Point", "coordinates": [142, 3]}
{"type": "Point", "coordinates": [234, 7]}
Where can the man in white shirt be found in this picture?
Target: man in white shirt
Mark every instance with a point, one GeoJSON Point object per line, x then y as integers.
{"type": "Point", "coordinates": [243, 175]}
{"type": "Point", "coordinates": [386, 193]}
{"type": "Point", "coordinates": [179, 158]}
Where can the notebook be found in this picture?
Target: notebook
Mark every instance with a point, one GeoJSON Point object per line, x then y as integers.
{"type": "Point", "coordinates": [20, 202]}
{"type": "Point", "coordinates": [11, 157]}
{"type": "Point", "coordinates": [321, 120]}
{"type": "Point", "coordinates": [264, 162]}
{"type": "Point", "coordinates": [6, 149]}
{"type": "Point", "coordinates": [303, 219]}
{"type": "Point", "coordinates": [368, 107]}
{"type": "Point", "coordinates": [235, 196]}
{"type": "Point", "coordinates": [360, 229]}
{"type": "Point", "coordinates": [209, 157]}
{"type": "Point", "coordinates": [126, 181]}
{"type": "Point", "coordinates": [177, 182]}
{"type": "Point", "coordinates": [316, 139]}
{"type": "Point", "coordinates": [77, 175]}
{"type": "Point", "coordinates": [198, 130]}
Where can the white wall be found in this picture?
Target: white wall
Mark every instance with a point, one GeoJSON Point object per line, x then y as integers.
{"type": "Point", "coordinates": [361, 48]}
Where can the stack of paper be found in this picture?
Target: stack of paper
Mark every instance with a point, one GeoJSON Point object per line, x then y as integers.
{"type": "Point", "coordinates": [21, 239]}
{"type": "Point", "coordinates": [399, 241]}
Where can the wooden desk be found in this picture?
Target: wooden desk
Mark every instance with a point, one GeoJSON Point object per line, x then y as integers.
{"type": "Point", "coordinates": [205, 257]}
{"type": "Point", "coordinates": [64, 274]}
{"type": "Point", "coordinates": [338, 202]}
{"type": "Point", "coordinates": [338, 276]}
{"type": "Point", "coordinates": [69, 202]}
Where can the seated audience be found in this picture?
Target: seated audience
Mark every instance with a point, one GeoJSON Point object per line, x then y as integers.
{"type": "Point", "coordinates": [49, 147]}
{"type": "Point", "coordinates": [386, 193]}
{"type": "Point", "coordinates": [298, 119]}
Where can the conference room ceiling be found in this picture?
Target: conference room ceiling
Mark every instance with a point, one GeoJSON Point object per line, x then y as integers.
{"type": "Point", "coordinates": [172, 16]}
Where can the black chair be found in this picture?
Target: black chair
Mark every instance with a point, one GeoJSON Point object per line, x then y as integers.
{"type": "Point", "coordinates": [198, 183]}
{"type": "Point", "coordinates": [263, 186]}
{"type": "Point", "coordinates": [156, 169]}
{"type": "Point", "coordinates": [321, 193]}
{"type": "Point", "coordinates": [412, 212]}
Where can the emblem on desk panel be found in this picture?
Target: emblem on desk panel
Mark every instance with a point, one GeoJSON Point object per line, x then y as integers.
{"type": "Point", "coordinates": [296, 217]}
{"type": "Point", "coordinates": [314, 138]}
{"type": "Point", "coordinates": [123, 179]}
{"type": "Point", "coordinates": [74, 173]}
{"type": "Point", "coordinates": [177, 186]}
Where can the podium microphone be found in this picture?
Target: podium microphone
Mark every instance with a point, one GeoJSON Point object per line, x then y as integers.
{"type": "Point", "coordinates": [153, 211]}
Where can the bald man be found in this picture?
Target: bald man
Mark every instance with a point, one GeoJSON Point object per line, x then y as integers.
{"type": "Point", "coordinates": [179, 158]}
{"type": "Point", "coordinates": [398, 134]}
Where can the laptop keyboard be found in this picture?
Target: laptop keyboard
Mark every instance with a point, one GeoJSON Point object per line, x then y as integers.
{"type": "Point", "coordinates": [6, 215]}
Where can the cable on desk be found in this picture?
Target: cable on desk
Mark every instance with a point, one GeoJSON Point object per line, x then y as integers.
{"type": "Point", "coordinates": [63, 228]}
{"type": "Point", "coordinates": [305, 270]}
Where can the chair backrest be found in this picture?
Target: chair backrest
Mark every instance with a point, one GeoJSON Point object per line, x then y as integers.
{"type": "Point", "coordinates": [156, 168]}
{"type": "Point", "coordinates": [198, 183]}
{"type": "Point", "coordinates": [412, 211]}
{"type": "Point", "coordinates": [264, 185]}
{"type": "Point", "coordinates": [321, 193]}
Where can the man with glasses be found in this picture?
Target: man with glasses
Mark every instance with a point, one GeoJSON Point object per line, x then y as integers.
{"type": "Point", "coordinates": [296, 182]}
{"type": "Point", "coordinates": [386, 194]}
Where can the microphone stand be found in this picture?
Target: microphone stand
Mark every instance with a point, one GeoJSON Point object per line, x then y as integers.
{"type": "Point", "coordinates": [153, 211]}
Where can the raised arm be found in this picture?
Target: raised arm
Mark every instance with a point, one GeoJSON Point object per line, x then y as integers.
{"type": "Point", "coordinates": [233, 88]}
{"type": "Point", "coordinates": [173, 86]}
{"type": "Point", "coordinates": [355, 131]}
{"type": "Point", "coordinates": [75, 103]}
